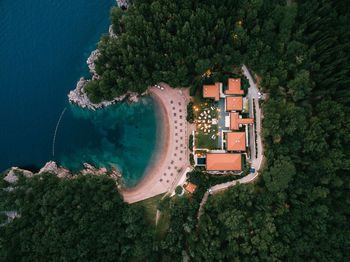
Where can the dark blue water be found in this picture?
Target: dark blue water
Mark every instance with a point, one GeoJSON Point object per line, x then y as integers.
{"type": "Point", "coordinates": [44, 45]}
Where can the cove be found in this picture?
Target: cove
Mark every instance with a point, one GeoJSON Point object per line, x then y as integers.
{"type": "Point", "coordinates": [44, 46]}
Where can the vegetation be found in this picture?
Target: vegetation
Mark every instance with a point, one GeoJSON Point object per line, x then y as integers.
{"type": "Point", "coordinates": [190, 115]}
{"type": "Point", "coordinates": [70, 220]}
{"type": "Point", "coordinates": [179, 190]}
{"type": "Point", "coordinates": [150, 207]}
{"type": "Point", "coordinates": [297, 211]}
{"type": "Point", "coordinates": [190, 143]}
{"type": "Point", "coordinates": [192, 159]}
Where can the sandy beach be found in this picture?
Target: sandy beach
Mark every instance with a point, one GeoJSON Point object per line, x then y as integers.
{"type": "Point", "coordinates": [173, 159]}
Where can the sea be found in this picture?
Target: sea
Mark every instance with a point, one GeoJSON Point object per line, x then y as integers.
{"type": "Point", "coordinates": [44, 45]}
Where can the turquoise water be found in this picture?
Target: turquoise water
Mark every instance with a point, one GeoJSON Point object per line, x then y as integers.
{"type": "Point", "coordinates": [44, 46]}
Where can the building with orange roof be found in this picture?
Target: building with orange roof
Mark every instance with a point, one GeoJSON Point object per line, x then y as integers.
{"type": "Point", "coordinates": [224, 162]}
{"type": "Point", "coordinates": [190, 187]}
{"type": "Point", "coordinates": [212, 91]}
{"type": "Point", "coordinates": [234, 87]}
{"type": "Point", "coordinates": [234, 103]}
{"type": "Point", "coordinates": [235, 121]}
{"type": "Point", "coordinates": [236, 141]}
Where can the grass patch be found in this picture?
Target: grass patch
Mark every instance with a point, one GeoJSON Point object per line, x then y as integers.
{"type": "Point", "coordinates": [150, 206]}
{"type": "Point", "coordinates": [203, 139]}
{"type": "Point", "coordinates": [163, 223]}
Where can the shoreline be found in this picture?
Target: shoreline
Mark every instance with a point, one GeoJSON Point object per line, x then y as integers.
{"type": "Point", "coordinates": [161, 147]}
{"type": "Point", "coordinates": [161, 175]}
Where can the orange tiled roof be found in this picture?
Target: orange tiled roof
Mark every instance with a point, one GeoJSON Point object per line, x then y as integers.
{"type": "Point", "coordinates": [211, 91]}
{"type": "Point", "coordinates": [224, 162]}
{"type": "Point", "coordinates": [235, 121]}
{"type": "Point", "coordinates": [191, 187]}
{"type": "Point", "coordinates": [234, 87]}
{"type": "Point", "coordinates": [234, 103]}
{"type": "Point", "coordinates": [236, 141]}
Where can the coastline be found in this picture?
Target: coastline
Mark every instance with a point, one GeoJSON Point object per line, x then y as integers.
{"type": "Point", "coordinates": [161, 147]}
{"type": "Point", "coordinates": [160, 176]}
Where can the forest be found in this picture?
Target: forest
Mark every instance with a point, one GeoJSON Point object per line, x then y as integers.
{"type": "Point", "coordinates": [299, 208]}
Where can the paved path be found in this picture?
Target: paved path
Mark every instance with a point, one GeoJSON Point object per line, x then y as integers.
{"type": "Point", "coordinates": [253, 92]}
{"type": "Point", "coordinates": [256, 162]}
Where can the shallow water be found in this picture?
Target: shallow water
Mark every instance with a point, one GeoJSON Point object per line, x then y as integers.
{"type": "Point", "coordinates": [44, 46]}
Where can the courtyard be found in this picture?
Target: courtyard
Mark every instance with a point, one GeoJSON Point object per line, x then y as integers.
{"type": "Point", "coordinates": [206, 121]}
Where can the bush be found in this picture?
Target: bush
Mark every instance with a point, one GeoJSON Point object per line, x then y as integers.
{"type": "Point", "coordinates": [190, 143]}
{"type": "Point", "coordinates": [93, 92]}
{"type": "Point", "coordinates": [178, 190]}
{"type": "Point", "coordinates": [164, 203]}
{"type": "Point", "coordinates": [191, 159]}
{"type": "Point", "coordinates": [190, 115]}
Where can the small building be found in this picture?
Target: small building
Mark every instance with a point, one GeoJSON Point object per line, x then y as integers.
{"type": "Point", "coordinates": [224, 162]}
{"type": "Point", "coordinates": [190, 187]}
{"type": "Point", "coordinates": [234, 103]}
{"type": "Point", "coordinates": [235, 121]}
{"type": "Point", "coordinates": [212, 91]}
{"type": "Point", "coordinates": [234, 87]}
{"type": "Point", "coordinates": [236, 141]}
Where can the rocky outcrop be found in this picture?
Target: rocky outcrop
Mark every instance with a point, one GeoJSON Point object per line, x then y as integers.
{"type": "Point", "coordinates": [114, 173]}
{"type": "Point", "coordinates": [91, 63]}
{"type": "Point", "coordinates": [123, 3]}
{"type": "Point", "coordinates": [53, 168]}
{"type": "Point", "coordinates": [12, 177]}
{"type": "Point", "coordinates": [61, 172]}
{"type": "Point", "coordinates": [111, 32]}
{"type": "Point", "coordinates": [79, 97]}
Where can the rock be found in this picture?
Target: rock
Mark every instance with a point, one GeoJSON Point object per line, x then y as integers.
{"type": "Point", "coordinates": [111, 33]}
{"type": "Point", "coordinates": [79, 97]}
{"type": "Point", "coordinates": [91, 63]}
{"type": "Point", "coordinates": [133, 98]}
{"type": "Point", "coordinates": [123, 3]}
{"type": "Point", "coordinates": [90, 169]}
{"type": "Point", "coordinates": [11, 176]}
{"type": "Point", "coordinates": [52, 167]}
